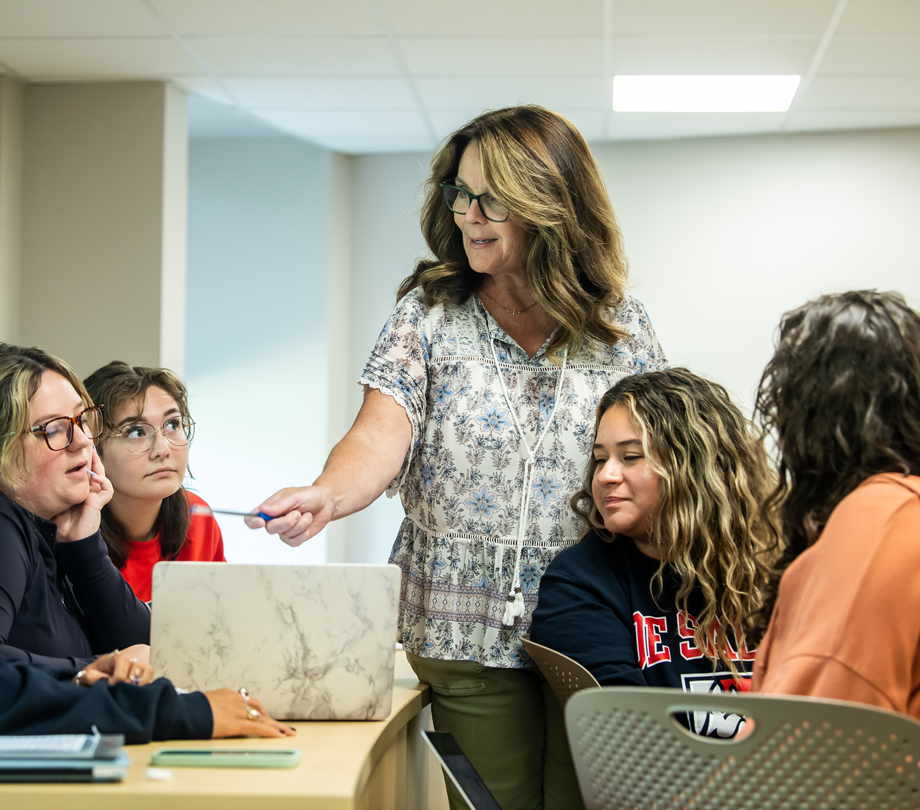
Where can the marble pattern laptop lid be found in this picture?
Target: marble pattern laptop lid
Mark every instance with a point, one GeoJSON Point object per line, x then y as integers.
{"type": "Point", "coordinates": [312, 642]}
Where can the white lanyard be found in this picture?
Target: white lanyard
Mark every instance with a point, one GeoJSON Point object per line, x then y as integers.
{"type": "Point", "coordinates": [514, 606]}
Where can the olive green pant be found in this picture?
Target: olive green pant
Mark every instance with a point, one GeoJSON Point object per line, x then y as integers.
{"type": "Point", "coordinates": [510, 725]}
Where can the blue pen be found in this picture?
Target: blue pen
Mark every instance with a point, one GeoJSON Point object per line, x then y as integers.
{"type": "Point", "coordinates": [202, 510]}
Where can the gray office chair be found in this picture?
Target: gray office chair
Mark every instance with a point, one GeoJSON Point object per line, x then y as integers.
{"type": "Point", "coordinates": [565, 676]}
{"type": "Point", "coordinates": [802, 754]}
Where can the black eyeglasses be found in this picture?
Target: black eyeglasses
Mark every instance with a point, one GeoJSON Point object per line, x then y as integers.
{"type": "Point", "coordinates": [58, 432]}
{"type": "Point", "coordinates": [141, 436]}
{"type": "Point", "coordinates": [459, 201]}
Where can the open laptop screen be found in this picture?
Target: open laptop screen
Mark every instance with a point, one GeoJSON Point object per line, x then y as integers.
{"type": "Point", "coordinates": [460, 770]}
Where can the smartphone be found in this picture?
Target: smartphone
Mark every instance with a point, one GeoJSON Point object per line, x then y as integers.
{"type": "Point", "coordinates": [227, 757]}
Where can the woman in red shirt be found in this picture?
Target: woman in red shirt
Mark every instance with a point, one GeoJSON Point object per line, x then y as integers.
{"type": "Point", "coordinates": [144, 447]}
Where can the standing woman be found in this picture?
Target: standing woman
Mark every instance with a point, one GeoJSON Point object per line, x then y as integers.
{"type": "Point", "coordinates": [62, 602]}
{"type": "Point", "coordinates": [151, 517]}
{"type": "Point", "coordinates": [479, 400]}
{"type": "Point", "coordinates": [842, 393]}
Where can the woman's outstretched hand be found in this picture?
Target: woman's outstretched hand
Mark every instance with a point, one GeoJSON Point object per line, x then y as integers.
{"type": "Point", "coordinates": [239, 716]}
{"type": "Point", "coordinates": [356, 473]}
{"type": "Point", "coordinates": [83, 519]}
{"type": "Point", "coordinates": [300, 513]}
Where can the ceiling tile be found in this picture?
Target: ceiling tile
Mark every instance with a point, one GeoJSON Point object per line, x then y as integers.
{"type": "Point", "coordinates": [209, 120]}
{"type": "Point", "coordinates": [715, 17]}
{"type": "Point", "coordinates": [642, 126]}
{"type": "Point", "coordinates": [712, 55]}
{"type": "Point", "coordinates": [96, 58]}
{"type": "Point", "coordinates": [446, 122]}
{"type": "Point", "coordinates": [343, 92]}
{"type": "Point", "coordinates": [322, 56]}
{"type": "Point", "coordinates": [326, 124]}
{"type": "Point", "coordinates": [590, 121]}
{"type": "Point", "coordinates": [513, 56]}
{"type": "Point", "coordinates": [490, 18]}
{"type": "Point", "coordinates": [367, 145]}
{"type": "Point", "coordinates": [485, 92]}
{"type": "Point", "coordinates": [205, 86]}
{"type": "Point", "coordinates": [865, 93]}
{"type": "Point", "coordinates": [872, 55]}
{"type": "Point", "coordinates": [881, 17]}
{"type": "Point", "coordinates": [813, 120]}
{"type": "Point", "coordinates": [269, 17]}
{"type": "Point", "coordinates": [87, 18]}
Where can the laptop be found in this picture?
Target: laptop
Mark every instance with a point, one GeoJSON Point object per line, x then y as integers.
{"type": "Point", "coordinates": [460, 770]}
{"type": "Point", "coordinates": [312, 642]}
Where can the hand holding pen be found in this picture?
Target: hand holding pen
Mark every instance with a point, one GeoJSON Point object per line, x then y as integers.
{"type": "Point", "coordinates": [295, 514]}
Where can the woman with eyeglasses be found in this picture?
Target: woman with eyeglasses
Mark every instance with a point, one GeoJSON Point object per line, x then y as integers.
{"type": "Point", "coordinates": [62, 602]}
{"type": "Point", "coordinates": [480, 398]}
{"type": "Point", "coordinates": [144, 445]}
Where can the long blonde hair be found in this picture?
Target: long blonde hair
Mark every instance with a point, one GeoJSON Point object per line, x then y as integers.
{"type": "Point", "coordinates": [710, 522]}
{"type": "Point", "coordinates": [539, 166]}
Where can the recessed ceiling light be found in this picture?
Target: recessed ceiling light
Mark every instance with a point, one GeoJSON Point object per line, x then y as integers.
{"type": "Point", "coordinates": [703, 93]}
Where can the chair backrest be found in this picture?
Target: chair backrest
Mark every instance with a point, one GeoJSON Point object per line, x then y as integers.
{"type": "Point", "coordinates": [565, 676]}
{"type": "Point", "coordinates": [803, 753]}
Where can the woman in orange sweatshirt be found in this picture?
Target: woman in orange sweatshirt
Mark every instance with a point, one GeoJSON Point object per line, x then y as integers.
{"type": "Point", "coordinates": [843, 395]}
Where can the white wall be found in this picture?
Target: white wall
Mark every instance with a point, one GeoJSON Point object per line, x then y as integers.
{"type": "Point", "coordinates": [386, 241]}
{"type": "Point", "coordinates": [724, 235]}
{"type": "Point", "coordinates": [257, 328]}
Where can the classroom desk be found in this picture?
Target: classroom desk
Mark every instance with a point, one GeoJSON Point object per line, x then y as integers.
{"type": "Point", "coordinates": [344, 765]}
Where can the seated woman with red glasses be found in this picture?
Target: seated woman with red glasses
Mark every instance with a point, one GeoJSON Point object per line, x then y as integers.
{"type": "Point", "coordinates": [144, 445]}
{"type": "Point", "coordinates": [62, 602]}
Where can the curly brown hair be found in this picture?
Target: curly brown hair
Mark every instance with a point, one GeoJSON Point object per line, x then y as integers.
{"type": "Point", "coordinates": [714, 478]}
{"type": "Point", "coordinates": [539, 166]}
{"type": "Point", "coordinates": [842, 395]}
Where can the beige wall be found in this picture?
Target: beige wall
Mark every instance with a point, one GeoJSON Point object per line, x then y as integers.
{"type": "Point", "coordinates": [11, 123]}
{"type": "Point", "coordinates": [103, 223]}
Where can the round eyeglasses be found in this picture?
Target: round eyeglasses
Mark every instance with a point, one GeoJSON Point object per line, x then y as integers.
{"type": "Point", "coordinates": [58, 432]}
{"type": "Point", "coordinates": [459, 201]}
{"type": "Point", "coordinates": [141, 436]}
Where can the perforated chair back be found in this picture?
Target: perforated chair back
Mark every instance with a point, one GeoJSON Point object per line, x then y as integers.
{"type": "Point", "coordinates": [803, 753]}
{"type": "Point", "coordinates": [565, 676]}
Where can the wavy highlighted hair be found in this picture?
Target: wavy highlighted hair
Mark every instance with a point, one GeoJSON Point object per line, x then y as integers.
{"type": "Point", "coordinates": [713, 479]}
{"type": "Point", "coordinates": [21, 370]}
{"type": "Point", "coordinates": [539, 166]}
{"type": "Point", "coordinates": [842, 396]}
{"type": "Point", "coordinates": [113, 386]}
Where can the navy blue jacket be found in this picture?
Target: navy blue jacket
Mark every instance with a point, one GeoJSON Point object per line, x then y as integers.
{"type": "Point", "coordinates": [36, 699]}
{"type": "Point", "coordinates": [596, 606]}
{"type": "Point", "coordinates": [61, 604]}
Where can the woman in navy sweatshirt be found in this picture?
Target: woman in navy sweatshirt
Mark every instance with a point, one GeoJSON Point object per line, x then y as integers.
{"type": "Point", "coordinates": [676, 545]}
{"type": "Point", "coordinates": [36, 699]}
{"type": "Point", "coordinates": [62, 602]}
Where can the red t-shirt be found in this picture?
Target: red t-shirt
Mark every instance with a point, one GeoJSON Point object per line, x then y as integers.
{"type": "Point", "coordinates": [203, 543]}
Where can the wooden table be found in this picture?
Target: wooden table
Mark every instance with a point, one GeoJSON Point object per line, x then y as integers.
{"type": "Point", "coordinates": [343, 765]}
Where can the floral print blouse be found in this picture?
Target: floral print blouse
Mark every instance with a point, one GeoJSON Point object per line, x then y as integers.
{"type": "Point", "coordinates": [463, 480]}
